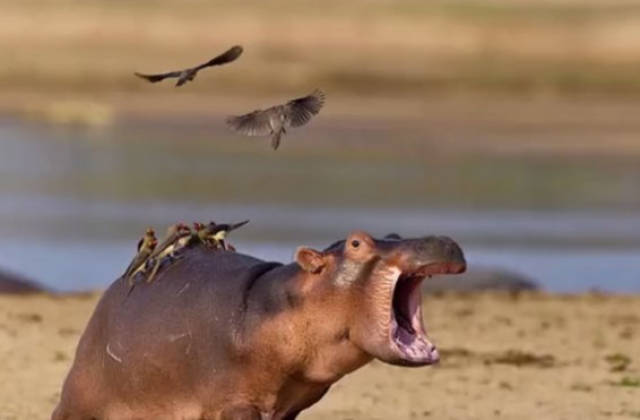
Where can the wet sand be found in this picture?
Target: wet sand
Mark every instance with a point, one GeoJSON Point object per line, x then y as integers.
{"type": "Point", "coordinates": [536, 356]}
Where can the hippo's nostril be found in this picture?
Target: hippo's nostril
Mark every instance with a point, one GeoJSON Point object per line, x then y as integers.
{"type": "Point", "coordinates": [450, 249]}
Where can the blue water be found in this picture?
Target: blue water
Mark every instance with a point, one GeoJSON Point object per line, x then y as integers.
{"type": "Point", "coordinates": [67, 222]}
{"type": "Point", "coordinates": [73, 265]}
{"type": "Point", "coordinates": [63, 248]}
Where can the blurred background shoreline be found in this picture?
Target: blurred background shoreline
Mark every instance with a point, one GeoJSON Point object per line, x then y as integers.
{"type": "Point", "coordinates": [510, 125]}
{"type": "Point", "coordinates": [413, 48]}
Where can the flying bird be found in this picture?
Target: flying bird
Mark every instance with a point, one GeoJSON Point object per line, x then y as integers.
{"type": "Point", "coordinates": [189, 74]}
{"type": "Point", "coordinates": [274, 121]}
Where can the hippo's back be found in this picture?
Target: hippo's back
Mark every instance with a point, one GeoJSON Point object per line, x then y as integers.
{"type": "Point", "coordinates": [213, 278]}
{"type": "Point", "coordinates": [205, 290]}
{"type": "Point", "coordinates": [169, 336]}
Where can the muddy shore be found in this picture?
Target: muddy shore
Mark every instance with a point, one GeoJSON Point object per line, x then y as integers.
{"type": "Point", "coordinates": [512, 357]}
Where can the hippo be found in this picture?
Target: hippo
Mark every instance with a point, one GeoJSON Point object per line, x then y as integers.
{"type": "Point", "coordinates": [11, 283]}
{"type": "Point", "coordinates": [223, 335]}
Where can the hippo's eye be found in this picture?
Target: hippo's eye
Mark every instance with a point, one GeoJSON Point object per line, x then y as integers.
{"type": "Point", "coordinates": [355, 243]}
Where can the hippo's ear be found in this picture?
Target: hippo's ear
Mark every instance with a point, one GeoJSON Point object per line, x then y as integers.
{"type": "Point", "coordinates": [309, 259]}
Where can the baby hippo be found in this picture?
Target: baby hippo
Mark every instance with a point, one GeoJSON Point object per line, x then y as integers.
{"type": "Point", "coordinates": [228, 336]}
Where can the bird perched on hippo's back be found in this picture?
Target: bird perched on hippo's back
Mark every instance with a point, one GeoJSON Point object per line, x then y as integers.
{"type": "Point", "coordinates": [213, 235]}
{"type": "Point", "coordinates": [217, 234]}
{"type": "Point", "coordinates": [168, 247]}
{"type": "Point", "coordinates": [187, 75]}
{"type": "Point", "coordinates": [146, 245]}
{"type": "Point", "coordinates": [199, 234]}
{"type": "Point", "coordinates": [275, 120]}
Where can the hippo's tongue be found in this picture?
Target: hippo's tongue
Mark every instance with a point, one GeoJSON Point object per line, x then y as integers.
{"type": "Point", "coordinates": [405, 336]}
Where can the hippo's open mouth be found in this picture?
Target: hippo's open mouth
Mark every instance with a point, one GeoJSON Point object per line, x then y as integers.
{"type": "Point", "coordinates": [407, 332]}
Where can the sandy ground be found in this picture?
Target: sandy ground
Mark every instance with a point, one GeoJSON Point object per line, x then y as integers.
{"type": "Point", "coordinates": [531, 357]}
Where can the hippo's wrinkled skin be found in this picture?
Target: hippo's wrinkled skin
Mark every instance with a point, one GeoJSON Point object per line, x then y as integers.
{"type": "Point", "coordinates": [221, 335]}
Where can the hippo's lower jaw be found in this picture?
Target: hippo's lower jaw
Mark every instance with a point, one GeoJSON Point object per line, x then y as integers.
{"type": "Point", "coordinates": [407, 333]}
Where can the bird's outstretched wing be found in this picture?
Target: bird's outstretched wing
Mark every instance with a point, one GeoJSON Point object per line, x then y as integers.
{"type": "Point", "coordinates": [154, 78]}
{"type": "Point", "coordinates": [300, 111]}
{"type": "Point", "coordinates": [226, 57]}
{"type": "Point", "coordinates": [255, 123]}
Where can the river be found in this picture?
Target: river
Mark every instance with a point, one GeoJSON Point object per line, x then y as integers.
{"type": "Point", "coordinates": [74, 201]}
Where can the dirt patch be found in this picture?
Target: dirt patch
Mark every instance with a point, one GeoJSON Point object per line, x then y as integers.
{"type": "Point", "coordinates": [520, 358]}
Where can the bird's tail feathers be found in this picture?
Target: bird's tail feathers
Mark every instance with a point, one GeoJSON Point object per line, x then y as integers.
{"type": "Point", "coordinates": [239, 224]}
{"type": "Point", "coordinates": [275, 139]}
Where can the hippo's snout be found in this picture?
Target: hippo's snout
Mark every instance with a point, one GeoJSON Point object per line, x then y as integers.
{"type": "Point", "coordinates": [396, 299]}
{"type": "Point", "coordinates": [434, 255]}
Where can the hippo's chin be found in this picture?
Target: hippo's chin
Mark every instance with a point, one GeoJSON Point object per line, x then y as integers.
{"type": "Point", "coordinates": [407, 335]}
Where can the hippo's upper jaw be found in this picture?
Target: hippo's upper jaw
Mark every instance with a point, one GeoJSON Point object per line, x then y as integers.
{"type": "Point", "coordinates": [407, 333]}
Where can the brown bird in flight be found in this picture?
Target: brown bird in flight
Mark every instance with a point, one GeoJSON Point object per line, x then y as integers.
{"type": "Point", "coordinates": [274, 121]}
{"type": "Point", "coordinates": [189, 74]}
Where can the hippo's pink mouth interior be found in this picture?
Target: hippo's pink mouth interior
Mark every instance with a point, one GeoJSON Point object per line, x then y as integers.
{"type": "Point", "coordinates": [407, 333]}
